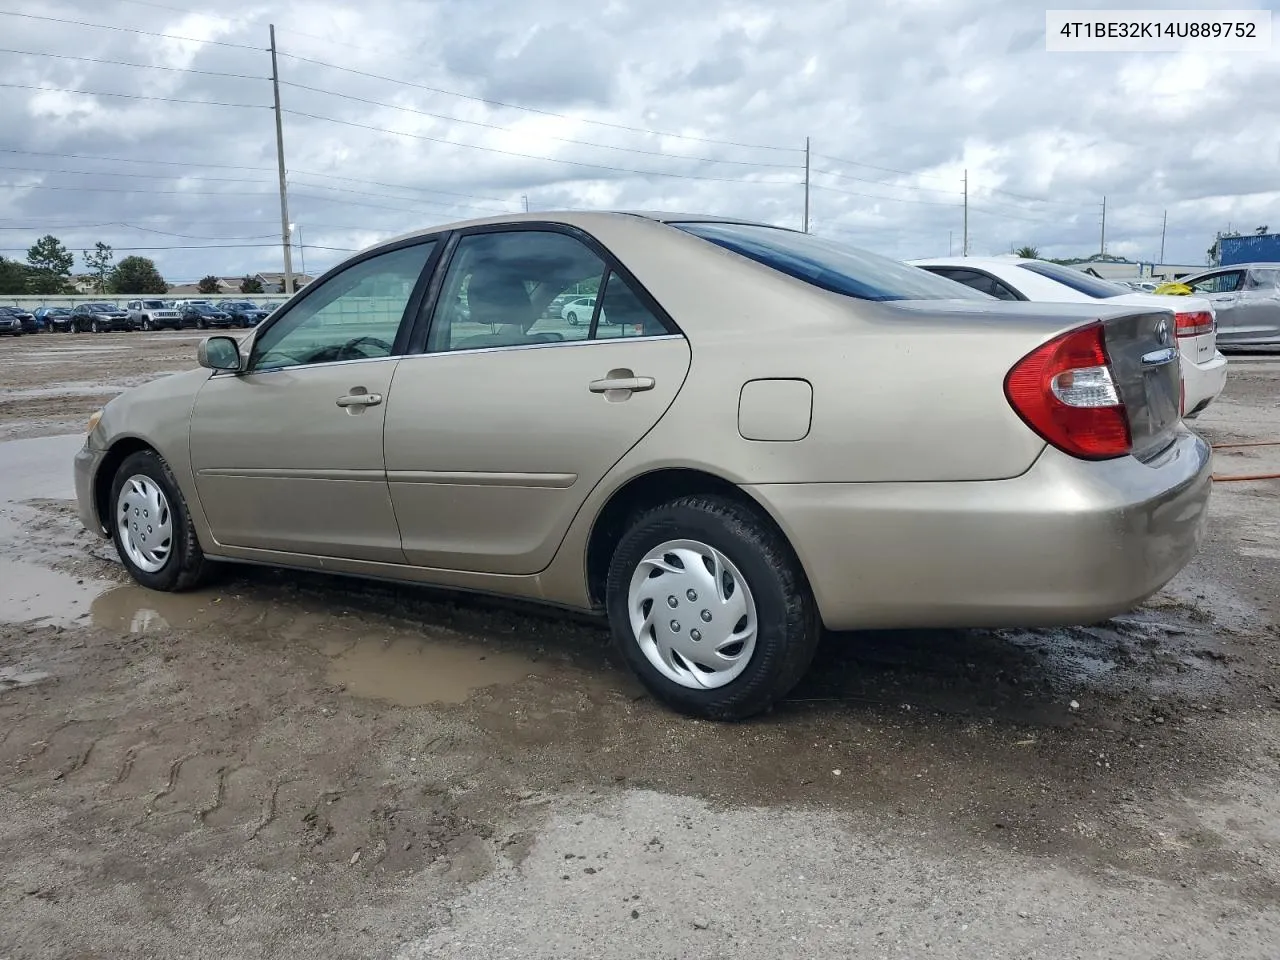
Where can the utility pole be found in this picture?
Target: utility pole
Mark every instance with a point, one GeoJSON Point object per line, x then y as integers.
{"type": "Point", "coordinates": [1102, 244]}
{"type": "Point", "coordinates": [964, 243]}
{"type": "Point", "coordinates": [284, 193]}
{"type": "Point", "coordinates": [1164, 222]}
{"type": "Point", "coordinates": [525, 198]}
{"type": "Point", "coordinates": [949, 232]}
{"type": "Point", "coordinates": [806, 184]}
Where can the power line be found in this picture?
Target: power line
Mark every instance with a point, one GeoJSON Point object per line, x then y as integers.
{"type": "Point", "coordinates": [545, 113]}
{"type": "Point", "coordinates": [144, 33]}
{"type": "Point", "coordinates": [547, 136]}
{"type": "Point", "coordinates": [872, 166]}
{"type": "Point", "coordinates": [530, 156]}
{"type": "Point", "coordinates": [870, 196]}
{"type": "Point", "coordinates": [387, 196]}
{"type": "Point", "coordinates": [383, 206]}
{"type": "Point", "coordinates": [126, 63]}
{"type": "Point", "coordinates": [215, 246]}
{"type": "Point", "coordinates": [884, 183]}
{"type": "Point", "coordinates": [133, 96]}
{"type": "Point", "coordinates": [194, 193]}
{"type": "Point", "coordinates": [232, 166]}
{"type": "Point", "coordinates": [143, 176]}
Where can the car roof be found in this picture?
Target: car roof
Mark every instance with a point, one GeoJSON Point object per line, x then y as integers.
{"type": "Point", "coordinates": [583, 219]}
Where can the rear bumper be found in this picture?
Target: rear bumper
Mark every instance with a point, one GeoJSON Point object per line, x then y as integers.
{"type": "Point", "coordinates": [1203, 383]}
{"type": "Point", "coordinates": [1068, 542]}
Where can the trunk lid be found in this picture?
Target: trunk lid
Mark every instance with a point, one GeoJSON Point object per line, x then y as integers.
{"type": "Point", "coordinates": [1146, 364]}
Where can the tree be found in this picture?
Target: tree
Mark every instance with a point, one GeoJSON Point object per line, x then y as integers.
{"type": "Point", "coordinates": [1214, 253]}
{"type": "Point", "coordinates": [134, 275]}
{"type": "Point", "coordinates": [49, 265]}
{"type": "Point", "coordinates": [1261, 231]}
{"type": "Point", "coordinates": [1028, 253]}
{"type": "Point", "coordinates": [208, 284]}
{"type": "Point", "coordinates": [251, 285]}
{"type": "Point", "coordinates": [99, 264]}
{"type": "Point", "coordinates": [13, 277]}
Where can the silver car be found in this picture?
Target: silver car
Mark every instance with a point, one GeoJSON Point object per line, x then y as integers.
{"type": "Point", "coordinates": [1246, 299]}
{"type": "Point", "coordinates": [774, 433]}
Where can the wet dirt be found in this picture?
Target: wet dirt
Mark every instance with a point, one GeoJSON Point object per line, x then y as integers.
{"type": "Point", "coordinates": [293, 765]}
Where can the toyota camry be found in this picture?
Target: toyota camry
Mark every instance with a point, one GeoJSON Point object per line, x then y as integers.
{"type": "Point", "coordinates": [773, 434]}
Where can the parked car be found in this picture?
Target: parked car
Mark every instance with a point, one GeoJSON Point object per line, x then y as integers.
{"type": "Point", "coordinates": [579, 310]}
{"type": "Point", "coordinates": [10, 323]}
{"type": "Point", "coordinates": [153, 315]}
{"type": "Point", "coordinates": [244, 313]}
{"type": "Point", "coordinates": [1204, 368]}
{"type": "Point", "coordinates": [26, 321]}
{"type": "Point", "coordinates": [204, 316]}
{"type": "Point", "coordinates": [99, 318]}
{"type": "Point", "coordinates": [1246, 299]}
{"type": "Point", "coordinates": [860, 444]}
{"type": "Point", "coordinates": [54, 319]}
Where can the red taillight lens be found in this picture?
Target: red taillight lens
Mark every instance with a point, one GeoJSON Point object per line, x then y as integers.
{"type": "Point", "coordinates": [1065, 392]}
{"type": "Point", "coordinates": [1194, 324]}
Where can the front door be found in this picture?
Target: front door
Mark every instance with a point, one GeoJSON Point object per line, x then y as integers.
{"type": "Point", "coordinates": [497, 434]}
{"type": "Point", "coordinates": [288, 454]}
{"type": "Point", "coordinates": [1222, 290]}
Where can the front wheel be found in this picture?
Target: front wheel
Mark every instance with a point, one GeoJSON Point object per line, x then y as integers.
{"type": "Point", "coordinates": [95, 327]}
{"type": "Point", "coordinates": [708, 605]}
{"type": "Point", "coordinates": [151, 527]}
{"type": "Point", "coordinates": [573, 319]}
{"type": "Point", "coordinates": [146, 326]}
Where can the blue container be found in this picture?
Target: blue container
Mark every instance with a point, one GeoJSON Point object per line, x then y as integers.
{"type": "Point", "coordinates": [1254, 249]}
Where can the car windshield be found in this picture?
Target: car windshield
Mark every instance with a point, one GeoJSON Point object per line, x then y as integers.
{"type": "Point", "coordinates": [831, 265]}
{"type": "Point", "coordinates": [153, 304]}
{"type": "Point", "coordinates": [1077, 280]}
{"type": "Point", "coordinates": [104, 307]}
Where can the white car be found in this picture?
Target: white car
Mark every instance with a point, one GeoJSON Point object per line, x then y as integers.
{"type": "Point", "coordinates": [153, 315]}
{"type": "Point", "coordinates": [579, 310]}
{"type": "Point", "coordinates": [1204, 368]}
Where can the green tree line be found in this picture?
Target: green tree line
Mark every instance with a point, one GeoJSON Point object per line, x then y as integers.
{"type": "Point", "coordinates": [47, 271]}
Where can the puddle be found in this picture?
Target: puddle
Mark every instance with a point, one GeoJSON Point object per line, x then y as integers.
{"type": "Point", "coordinates": [414, 672]}
{"type": "Point", "coordinates": [39, 467]}
{"type": "Point", "coordinates": [42, 597]}
{"type": "Point", "coordinates": [12, 677]}
{"type": "Point", "coordinates": [380, 661]}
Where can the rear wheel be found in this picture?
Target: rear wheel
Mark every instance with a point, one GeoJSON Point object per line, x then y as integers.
{"type": "Point", "coordinates": [709, 607]}
{"type": "Point", "coordinates": [151, 527]}
{"type": "Point", "coordinates": [95, 327]}
{"type": "Point", "coordinates": [573, 318]}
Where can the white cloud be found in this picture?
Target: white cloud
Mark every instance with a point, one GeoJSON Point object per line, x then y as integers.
{"type": "Point", "coordinates": [924, 87]}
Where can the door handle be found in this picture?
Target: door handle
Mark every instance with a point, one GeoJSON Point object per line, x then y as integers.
{"type": "Point", "coordinates": [629, 384]}
{"type": "Point", "coordinates": [360, 400]}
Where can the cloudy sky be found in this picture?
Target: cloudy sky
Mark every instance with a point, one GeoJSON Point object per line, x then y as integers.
{"type": "Point", "coordinates": [406, 113]}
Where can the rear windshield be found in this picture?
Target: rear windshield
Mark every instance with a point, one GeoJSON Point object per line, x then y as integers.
{"type": "Point", "coordinates": [831, 265]}
{"type": "Point", "coordinates": [1077, 280]}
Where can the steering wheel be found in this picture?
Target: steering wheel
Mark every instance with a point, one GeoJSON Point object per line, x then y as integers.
{"type": "Point", "coordinates": [350, 350]}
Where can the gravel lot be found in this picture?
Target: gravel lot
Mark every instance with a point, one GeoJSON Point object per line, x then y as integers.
{"type": "Point", "coordinates": [289, 765]}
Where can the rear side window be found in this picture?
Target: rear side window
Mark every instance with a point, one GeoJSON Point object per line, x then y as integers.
{"type": "Point", "coordinates": [830, 265]}
{"type": "Point", "coordinates": [1077, 280]}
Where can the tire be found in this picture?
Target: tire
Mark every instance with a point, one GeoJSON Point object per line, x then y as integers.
{"type": "Point", "coordinates": [787, 628]}
{"type": "Point", "coordinates": [572, 318]}
{"type": "Point", "coordinates": [146, 325]}
{"type": "Point", "coordinates": [184, 566]}
{"type": "Point", "coordinates": [95, 327]}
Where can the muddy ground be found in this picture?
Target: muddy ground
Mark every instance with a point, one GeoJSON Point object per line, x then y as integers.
{"type": "Point", "coordinates": [288, 765]}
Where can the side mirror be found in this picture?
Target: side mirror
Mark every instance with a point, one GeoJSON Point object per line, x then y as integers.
{"type": "Point", "coordinates": [219, 353]}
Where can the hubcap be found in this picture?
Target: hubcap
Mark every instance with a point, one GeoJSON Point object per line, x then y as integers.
{"type": "Point", "coordinates": [692, 614]}
{"type": "Point", "coordinates": [145, 523]}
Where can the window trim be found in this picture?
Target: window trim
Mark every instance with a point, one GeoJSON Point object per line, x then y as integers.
{"type": "Point", "coordinates": [425, 321]}
{"type": "Point", "coordinates": [399, 344]}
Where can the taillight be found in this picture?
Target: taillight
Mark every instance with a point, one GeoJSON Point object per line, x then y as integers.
{"type": "Point", "coordinates": [1065, 392]}
{"type": "Point", "coordinates": [1194, 324]}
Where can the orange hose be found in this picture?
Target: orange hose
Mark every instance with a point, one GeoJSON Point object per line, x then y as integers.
{"type": "Point", "coordinates": [1259, 443]}
{"type": "Point", "coordinates": [1247, 476]}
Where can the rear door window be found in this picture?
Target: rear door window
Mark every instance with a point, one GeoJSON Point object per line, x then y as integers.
{"type": "Point", "coordinates": [829, 264]}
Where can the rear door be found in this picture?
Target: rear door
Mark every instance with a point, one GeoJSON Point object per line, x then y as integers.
{"type": "Point", "coordinates": [1258, 305]}
{"type": "Point", "coordinates": [1221, 289]}
{"type": "Point", "coordinates": [497, 432]}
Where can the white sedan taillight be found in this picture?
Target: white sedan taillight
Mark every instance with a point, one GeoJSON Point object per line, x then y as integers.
{"type": "Point", "coordinates": [1194, 324]}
